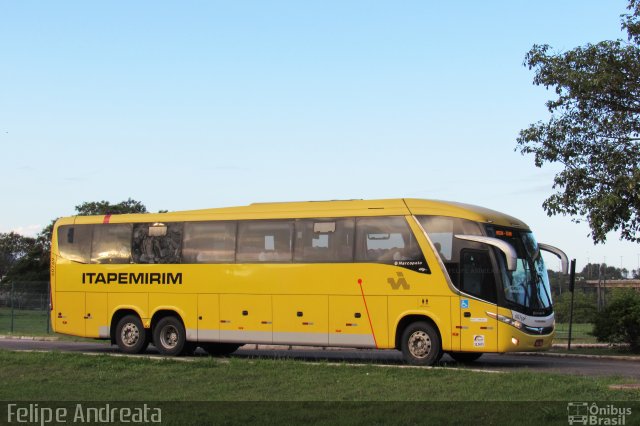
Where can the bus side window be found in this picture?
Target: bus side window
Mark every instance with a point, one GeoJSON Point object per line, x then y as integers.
{"type": "Point", "coordinates": [265, 241]}
{"type": "Point", "coordinates": [441, 230]}
{"type": "Point", "coordinates": [111, 243]}
{"type": "Point", "coordinates": [324, 240]}
{"type": "Point", "coordinates": [74, 242]}
{"type": "Point", "coordinates": [385, 240]}
{"type": "Point", "coordinates": [157, 242]}
{"type": "Point", "coordinates": [209, 242]}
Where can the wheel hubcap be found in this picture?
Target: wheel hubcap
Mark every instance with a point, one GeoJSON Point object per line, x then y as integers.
{"type": "Point", "coordinates": [419, 344]}
{"type": "Point", "coordinates": [130, 334]}
{"type": "Point", "coordinates": [169, 336]}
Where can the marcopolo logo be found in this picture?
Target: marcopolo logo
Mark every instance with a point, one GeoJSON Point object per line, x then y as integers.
{"type": "Point", "coordinates": [584, 413]}
{"type": "Point", "coordinates": [401, 281]}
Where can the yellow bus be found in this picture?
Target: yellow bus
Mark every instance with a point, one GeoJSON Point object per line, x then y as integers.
{"type": "Point", "coordinates": [423, 277]}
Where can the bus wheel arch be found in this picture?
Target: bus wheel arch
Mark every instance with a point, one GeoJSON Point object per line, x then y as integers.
{"type": "Point", "coordinates": [419, 339]}
{"type": "Point", "coordinates": [169, 333]}
{"type": "Point", "coordinates": [128, 332]}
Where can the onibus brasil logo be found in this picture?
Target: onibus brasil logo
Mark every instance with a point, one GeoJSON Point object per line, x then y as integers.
{"type": "Point", "coordinates": [583, 413]}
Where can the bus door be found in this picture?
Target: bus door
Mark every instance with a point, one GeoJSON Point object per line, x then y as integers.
{"type": "Point", "coordinates": [479, 332]}
{"type": "Point", "coordinates": [81, 314]}
{"type": "Point", "coordinates": [69, 309]}
{"type": "Point", "coordinates": [96, 315]}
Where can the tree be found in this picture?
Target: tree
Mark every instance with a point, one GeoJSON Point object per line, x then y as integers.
{"type": "Point", "coordinates": [593, 131]}
{"type": "Point", "coordinates": [33, 266]}
{"type": "Point", "coordinates": [556, 282]}
{"type": "Point", "coordinates": [619, 322]}
{"type": "Point", "coordinates": [594, 271]}
{"type": "Point", "coordinates": [27, 259]}
{"type": "Point", "coordinates": [96, 208]}
{"type": "Point", "coordinates": [13, 247]}
{"type": "Point", "coordinates": [585, 307]}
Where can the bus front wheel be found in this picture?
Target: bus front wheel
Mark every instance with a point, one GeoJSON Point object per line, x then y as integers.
{"type": "Point", "coordinates": [131, 337]}
{"type": "Point", "coordinates": [169, 336]}
{"type": "Point", "coordinates": [421, 344]}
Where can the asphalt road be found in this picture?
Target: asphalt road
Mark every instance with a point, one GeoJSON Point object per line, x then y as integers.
{"type": "Point", "coordinates": [488, 362]}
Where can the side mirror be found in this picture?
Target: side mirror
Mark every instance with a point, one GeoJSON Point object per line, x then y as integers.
{"type": "Point", "coordinates": [564, 260]}
{"type": "Point", "coordinates": [503, 246]}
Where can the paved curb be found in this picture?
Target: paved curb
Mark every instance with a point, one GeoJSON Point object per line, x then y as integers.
{"type": "Point", "coordinates": [583, 345]}
{"type": "Point", "coordinates": [33, 338]}
{"type": "Point", "coordinates": [606, 357]}
{"type": "Point", "coordinates": [316, 348]}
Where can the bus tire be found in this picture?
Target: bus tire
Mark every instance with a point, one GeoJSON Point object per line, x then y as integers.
{"type": "Point", "coordinates": [465, 357]}
{"type": "Point", "coordinates": [131, 337]}
{"type": "Point", "coordinates": [421, 344]}
{"type": "Point", "coordinates": [219, 349]}
{"type": "Point", "coordinates": [169, 336]}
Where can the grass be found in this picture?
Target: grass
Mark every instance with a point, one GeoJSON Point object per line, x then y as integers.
{"type": "Point", "coordinates": [289, 389]}
{"type": "Point", "coordinates": [34, 375]}
{"type": "Point", "coordinates": [25, 322]}
{"type": "Point", "coordinates": [580, 333]}
{"type": "Point", "coordinates": [606, 351]}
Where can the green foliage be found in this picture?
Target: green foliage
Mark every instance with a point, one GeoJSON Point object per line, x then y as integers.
{"type": "Point", "coordinates": [560, 283]}
{"type": "Point", "coordinates": [27, 259]}
{"type": "Point", "coordinates": [593, 130]}
{"type": "Point", "coordinates": [557, 283]}
{"type": "Point", "coordinates": [619, 322]}
{"type": "Point", "coordinates": [13, 247]}
{"type": "Point", "coordinates": [593, 271]}
{"type": "Point", "coordinates": [34, 266]}
{"type": "Point", "coordinates": [96, 208]}
{"type": "Point", "coordinates": [46, 376]}
{"type": "Point", "coordinates": [584, 307]}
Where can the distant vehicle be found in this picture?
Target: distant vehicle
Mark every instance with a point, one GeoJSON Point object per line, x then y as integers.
{"type": "Point", "coordinates": [423, 277]}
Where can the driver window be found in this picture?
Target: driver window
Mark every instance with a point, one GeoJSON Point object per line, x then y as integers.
{"type": "Point", "coordinates": [476, 275]}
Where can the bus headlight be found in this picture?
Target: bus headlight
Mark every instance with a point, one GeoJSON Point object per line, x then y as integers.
{"type": "Point", "coordinates": [514, 323]}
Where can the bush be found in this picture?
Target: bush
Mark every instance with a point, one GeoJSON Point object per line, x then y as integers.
{"type": "Point", "coordinates": [584, 307]}
{"type": "Point", "coordinates": [619, 322]}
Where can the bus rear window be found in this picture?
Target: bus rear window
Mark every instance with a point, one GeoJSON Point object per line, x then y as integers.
{"type": "Point", "coordinates": [74, 242]}
{"type": "Point", "coordinates": [157, 242]}
{"type": "Point", "coordinates": [111, 243]}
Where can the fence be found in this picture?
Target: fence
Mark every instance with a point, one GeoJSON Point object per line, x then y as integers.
{"type": "Point", "coordinates": [580, 333]}
{"type": "Point", "coordinates": [24, 308]}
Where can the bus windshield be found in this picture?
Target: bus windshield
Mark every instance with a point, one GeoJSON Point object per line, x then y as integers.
{"type": "Point", "coordinates": [528, 286]}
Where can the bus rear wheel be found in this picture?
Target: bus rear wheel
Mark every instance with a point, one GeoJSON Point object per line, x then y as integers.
{"type": "Point", "coordinates": [169, 336]}
{"type": "Point", "coordinates": [131, 337]}
{"type": "Point", "coordinates": [421, 344]}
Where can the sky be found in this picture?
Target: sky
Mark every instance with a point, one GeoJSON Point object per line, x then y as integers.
{"type": "Point", "coordinates": [203, 104]}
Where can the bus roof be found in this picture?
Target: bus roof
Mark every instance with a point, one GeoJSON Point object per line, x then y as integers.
{"type": "Point", "coordinates": [310, 209]}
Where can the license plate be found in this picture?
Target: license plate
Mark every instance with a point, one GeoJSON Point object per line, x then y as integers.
{"type": "Point", "coordinates": [539, 343]}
